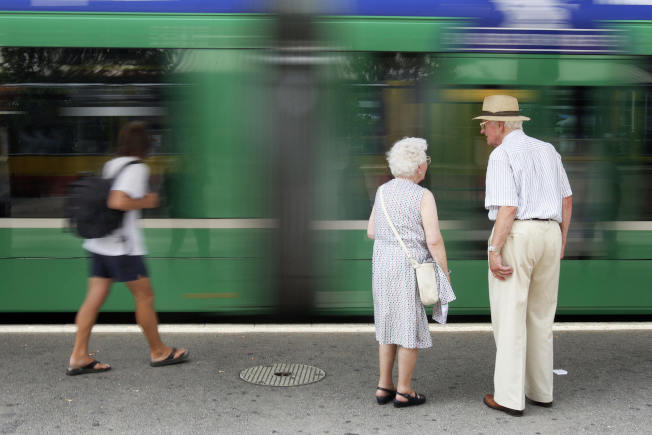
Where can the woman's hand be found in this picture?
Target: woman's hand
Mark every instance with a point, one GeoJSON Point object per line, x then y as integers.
{"type": "Point", "coordinates": [371, 229]}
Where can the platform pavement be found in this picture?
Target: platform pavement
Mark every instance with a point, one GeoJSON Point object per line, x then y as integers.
{"type": "Point", "coordinates": [608, 388]}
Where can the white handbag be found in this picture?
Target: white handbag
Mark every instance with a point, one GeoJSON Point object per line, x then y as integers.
{"type": "Point", "coordinates": [427, 277]}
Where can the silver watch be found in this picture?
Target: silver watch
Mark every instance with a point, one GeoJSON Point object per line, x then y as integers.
{"type": "Point", "coordinates": [492, 248]}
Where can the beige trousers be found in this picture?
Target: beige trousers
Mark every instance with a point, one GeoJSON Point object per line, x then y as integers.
{"type": "Point", "coordinates": [522, 313]}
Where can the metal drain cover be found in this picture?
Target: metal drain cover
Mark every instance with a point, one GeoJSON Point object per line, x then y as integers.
{"type": "Point", "coordinates": [282, 375]}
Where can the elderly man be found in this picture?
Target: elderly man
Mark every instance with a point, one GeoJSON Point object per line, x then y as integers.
{"type": "Point", "coordinates": [529, 198]}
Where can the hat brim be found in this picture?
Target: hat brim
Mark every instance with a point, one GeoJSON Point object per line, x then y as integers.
{"type": "Point", "coordinates": [502, 118]}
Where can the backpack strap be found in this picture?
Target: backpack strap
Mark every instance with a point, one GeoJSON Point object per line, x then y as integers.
{"type": "Point", "coordinates": [113, 179]}
{"type": "Point", "coordinates": [117, 174]}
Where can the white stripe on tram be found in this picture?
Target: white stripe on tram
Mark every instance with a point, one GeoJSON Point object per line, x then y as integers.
{"type": "Point", "coordinates": [322, 225]}
{"type": "Point", "coordinates": [329, 328]}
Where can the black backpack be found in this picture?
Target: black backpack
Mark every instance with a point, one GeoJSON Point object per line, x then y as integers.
{"type": "Point", "coordinates": [86, 209]}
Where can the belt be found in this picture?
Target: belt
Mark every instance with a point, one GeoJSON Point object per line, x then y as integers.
{"type": "Point", "coordinates": [535, 219]}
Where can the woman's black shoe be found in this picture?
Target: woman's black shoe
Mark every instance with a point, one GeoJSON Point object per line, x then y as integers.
{"type": "Point", "coordinates": [385, 399]}
{"type": "Point", "coordinates": [417, 399]}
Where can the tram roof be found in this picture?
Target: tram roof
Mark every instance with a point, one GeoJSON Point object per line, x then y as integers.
{"type": "Point", "coordinates": [486, 12]}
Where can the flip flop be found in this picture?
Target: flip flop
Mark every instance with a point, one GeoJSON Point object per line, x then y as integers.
{"type": "Point", "coordinates": [385, 399]}
{"type": "Point", "coordinates": [170, 359]}
{"type": "Point", "coordinates": [88, 368]}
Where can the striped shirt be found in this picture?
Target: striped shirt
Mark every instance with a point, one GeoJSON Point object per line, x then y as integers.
{"type": "Point", "coordinates": [526, 173]}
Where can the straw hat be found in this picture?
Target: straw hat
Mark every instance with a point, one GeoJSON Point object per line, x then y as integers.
{"type": "Point", "coordinates": [501, 108]}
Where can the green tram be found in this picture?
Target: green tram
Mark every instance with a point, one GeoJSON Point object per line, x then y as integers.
{"type": "Point", "coordinates": [270, 130]}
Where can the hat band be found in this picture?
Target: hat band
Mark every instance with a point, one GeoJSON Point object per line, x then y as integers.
{"type": "Point", "coordinates": [506, 113]}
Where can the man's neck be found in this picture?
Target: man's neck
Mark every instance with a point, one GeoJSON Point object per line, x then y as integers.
{"type": "Point", "coordinates": [507, 132]}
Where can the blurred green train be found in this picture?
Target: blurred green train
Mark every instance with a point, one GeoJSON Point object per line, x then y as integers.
{"type": "Point", "coordinates": [269, 139]}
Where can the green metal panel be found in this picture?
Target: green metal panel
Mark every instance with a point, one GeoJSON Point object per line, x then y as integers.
{"type": "Point", "coordinates": [639, 35]}
{"type": "Point", "coordinates": [227, 160]}
{"type": "Point", "coordinates": [540, 70]}
{"type": "Point", "coordinates": [57, 29]}
{"type": "Point", "coordinates": [352, 33]}
{"type": "Point", "coordinates": [214, 270]}
{"type": "Point", "coordinates": [586, 286]}
{"type": "Point", "coordinates": [233, 273]}
{"type": "Point", "coordinates": [180, 285]}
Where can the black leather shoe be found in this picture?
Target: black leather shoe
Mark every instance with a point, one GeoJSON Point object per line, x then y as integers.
{"type": "Point", "coordinates": [542, 404]}
{"type": "Point", "coordinates": [491, 403]}
{"type": "Point", "coordinates": [387, 398]}
{"type": "Point", "coordinates": [417, 399]}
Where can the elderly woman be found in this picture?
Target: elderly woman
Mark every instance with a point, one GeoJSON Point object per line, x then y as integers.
{"type": "Point", "coordinates": [400, 318]}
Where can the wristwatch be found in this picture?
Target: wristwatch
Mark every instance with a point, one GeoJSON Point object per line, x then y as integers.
{"type": "Point", "coordinates": [492, 248]}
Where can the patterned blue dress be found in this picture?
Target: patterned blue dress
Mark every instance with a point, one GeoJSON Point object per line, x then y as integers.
{"type": "Point", "coordinates": [399, 315]}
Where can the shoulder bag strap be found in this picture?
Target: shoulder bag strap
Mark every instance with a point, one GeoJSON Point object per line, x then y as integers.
{"type": "Point", "coordinates": [391, 225]}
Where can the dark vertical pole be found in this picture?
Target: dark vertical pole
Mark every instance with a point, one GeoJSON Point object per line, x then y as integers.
{"type": "Point", "coordinates": [295, 112]}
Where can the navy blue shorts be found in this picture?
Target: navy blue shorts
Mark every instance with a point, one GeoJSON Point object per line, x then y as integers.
{"type": "Point", "coordinates": [122, 268]}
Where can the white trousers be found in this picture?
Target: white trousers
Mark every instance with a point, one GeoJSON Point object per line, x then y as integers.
{"type": "Point", "coordinates": [522, 313]}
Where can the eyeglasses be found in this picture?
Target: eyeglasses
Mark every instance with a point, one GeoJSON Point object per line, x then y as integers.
{"type": "Point", "coordinates": [483, 124]}
{"type": "Point", "coordinates": [428, 160]}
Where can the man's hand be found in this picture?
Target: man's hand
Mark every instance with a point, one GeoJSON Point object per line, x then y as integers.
{"type": "Point", "coordinates": [496, 266]}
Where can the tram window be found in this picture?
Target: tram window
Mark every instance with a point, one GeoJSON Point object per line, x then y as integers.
{"type": "Point", "coordinates": [62, 109]}
{"type": "Point", "coordinates": [602, 132]}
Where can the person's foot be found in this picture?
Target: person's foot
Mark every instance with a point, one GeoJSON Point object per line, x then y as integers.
{"type": "Point", "coordinates": [92, 367]}
{"type": "Point", "coordinates": [408, 399]}
{"type": "Point", "coordinates": [168, 356]}
{"type": "Point", "coordinates": [80, 362]}
{"type": "Point", "coordinates": [385, 395]}
{"type": "Point", "coordinates": [491, 403]}
{"type": "Point", "coordinates": [542, 404]}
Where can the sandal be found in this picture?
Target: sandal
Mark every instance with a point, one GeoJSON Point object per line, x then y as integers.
{"type": "Point", "coordinates": [417, 399]}
{"type": "Point", "coordinates": [170, 359]}
{"type": "Point", "coordinates": [385, 399]}
{"type": "Point", "coordinates": [88, 368]}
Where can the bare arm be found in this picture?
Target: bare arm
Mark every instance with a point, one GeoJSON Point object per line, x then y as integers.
{"type": "Point", "coordinates": [119, 200]}
{"type": "Point", "coordinates": [566, 212]}
{"type": "Point", "coordinates": [371, 229]}
{"type": "Point", "coordinates": [502, 227]}
{"type": "Point", "coordinates": [434, 240]}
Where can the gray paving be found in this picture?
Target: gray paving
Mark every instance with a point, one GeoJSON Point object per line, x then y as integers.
{"type": "Point", "coordinates": [608, 388]}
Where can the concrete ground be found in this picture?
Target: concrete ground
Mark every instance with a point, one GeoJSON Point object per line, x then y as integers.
{"type": "Point", "coordinates": [608, 388]}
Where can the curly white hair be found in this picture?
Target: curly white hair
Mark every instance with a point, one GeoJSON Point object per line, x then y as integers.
{"type": "Point", "coordinates": [406, 155]}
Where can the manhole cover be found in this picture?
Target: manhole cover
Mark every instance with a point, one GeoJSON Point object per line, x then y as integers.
{"type": "Point", "coordinates": [282, 375]}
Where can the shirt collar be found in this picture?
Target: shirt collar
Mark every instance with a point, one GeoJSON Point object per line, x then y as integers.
{"type": "Point", "coordinates": [512, 135]}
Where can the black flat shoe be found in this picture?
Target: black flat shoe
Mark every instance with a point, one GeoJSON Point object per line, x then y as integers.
{"type": "Point", "coordinates": [542, 404]}
{"type": "Point", "coordinates": [382, 400]}
{"type": "Point", "coordinates": [417, 399]}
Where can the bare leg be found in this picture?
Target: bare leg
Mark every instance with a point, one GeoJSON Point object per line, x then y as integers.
{"type": "Point", "coordinates": [98, 290]}
{"type": "Point", "coordinates": [407, 359]}
{"type": "Point", "coordinates": [386, 355]}
{"type": "Point", "coordinates": [146, 317]}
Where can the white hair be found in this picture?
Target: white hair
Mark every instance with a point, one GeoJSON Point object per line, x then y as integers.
{"type": "Point", "coordinates": [514, 125]}
{"type": "Point", "coordinates": [406, 155]}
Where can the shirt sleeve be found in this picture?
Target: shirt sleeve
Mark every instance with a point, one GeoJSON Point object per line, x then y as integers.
{"type": "Point", "coordinates": [563, 180]}
{"type": "Point", "coordinates": [133, 180]}
{"type": "Point", "coordinates": [500, 184]}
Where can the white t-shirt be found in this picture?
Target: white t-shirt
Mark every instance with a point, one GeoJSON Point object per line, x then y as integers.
{"type": "Point", "coordinates": [128, 239]}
